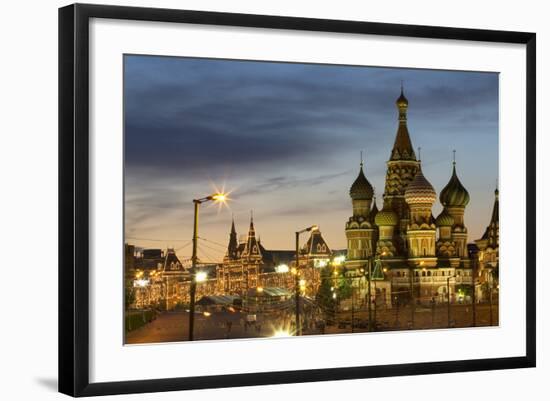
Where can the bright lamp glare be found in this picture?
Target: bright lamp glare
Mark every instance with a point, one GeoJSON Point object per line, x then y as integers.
{"type": "Point", "coordinates": [282, 268]}
{"type": "Point", "coordinates": [281, 333]}
{"type": "Point", "coordinates": [219, 197]}
{"type": "Point", "coordinates": [201, 276]}
{"type": "Point", "coordinates": [338, 260]}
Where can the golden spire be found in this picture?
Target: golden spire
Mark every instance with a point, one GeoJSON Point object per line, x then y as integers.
{"type": "Point", "coordinates": [402, 147]}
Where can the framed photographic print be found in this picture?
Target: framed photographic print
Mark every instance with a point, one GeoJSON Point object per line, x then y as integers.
{"type": "Point", "coordinates": [250, 199]}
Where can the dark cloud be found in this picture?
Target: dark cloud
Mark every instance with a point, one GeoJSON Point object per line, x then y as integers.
{"type": "Point", "coordinates": [194, 115]}
{"type": "Point", "coordinates": [288, 136]}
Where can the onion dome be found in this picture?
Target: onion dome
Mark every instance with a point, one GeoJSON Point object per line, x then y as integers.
{"type": "Point", "coordinates": [444, 219]}
{"type": "Point", "coordinates": [420, 191]}
{"type": "Point", "coordinates": [454, 194]}
{"type": "Point", "coordinates": [386, 217]}
{"type": "Point", "coordinates": [361, 188]}
{"type": "Point", "coordinates": [402, 100]}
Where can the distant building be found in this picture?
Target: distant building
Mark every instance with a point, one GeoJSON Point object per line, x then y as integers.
{"type": "Point", "coordinates": [158, 277]}
{"type": "Point", "coordinates": [248, 264]}
{"type": "Point", "coordinates": [488, 254]}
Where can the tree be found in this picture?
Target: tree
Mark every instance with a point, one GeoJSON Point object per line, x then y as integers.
{"type": "Point", "coordinates": [324, 297]}
{"type": "Point", "coordinates": [129, 296]}
{"type": "Point", "coordinates": [344, 287]}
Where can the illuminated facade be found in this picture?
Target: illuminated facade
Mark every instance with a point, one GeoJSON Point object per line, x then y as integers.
{"type": "Point", "coordinates": [421, 255]}
{"type": "Point", "coordinates": [488, 255]}
{"type": "Point", "coordinates": [248, 264]}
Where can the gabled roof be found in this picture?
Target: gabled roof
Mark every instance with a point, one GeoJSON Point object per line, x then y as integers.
{"type": "Point", "coordinates": [316, 245]}
{"type": "Point", "coordinates": [252, 247]}
{"type": "Point", "coordinates": [171, 261]}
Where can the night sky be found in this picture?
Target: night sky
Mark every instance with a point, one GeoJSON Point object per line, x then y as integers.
{"type": "Point", "coordinates": [286, 140]}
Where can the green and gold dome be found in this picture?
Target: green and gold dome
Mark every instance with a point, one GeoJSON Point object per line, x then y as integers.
{"type": "Point", "coordinates": [454, 194]}
{"type": "Point", "coordinates": [444, 219]}
{"type": "Point", "coordinates": [386, 217]}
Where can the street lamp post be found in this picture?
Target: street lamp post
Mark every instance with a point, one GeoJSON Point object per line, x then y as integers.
{"type": "Point", "coordinates": [449, 301]}
{"type": "Point", "coordinates": [352, 306]}
{"type": "Point", "coordinates": [219, 197]}
{"type": "Point", "coordinates": [411, 273]}
{"type": "Point", "coordinates": [475, 260]}
{"type": "Point", "coordinates": [369, 303]}
{"type": "Point", "coordinates": [375, 303]}
{"type": "Point", "coordinates": [491, 297]}
{"type": "Point", "coordinates": [297, 278]}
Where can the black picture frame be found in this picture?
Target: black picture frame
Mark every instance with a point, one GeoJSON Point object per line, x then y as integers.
{"type": "Point", "coordinates": [74, 198]}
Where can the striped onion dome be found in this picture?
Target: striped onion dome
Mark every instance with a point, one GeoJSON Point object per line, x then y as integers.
{"type": "Point", "coordinates": [386, 217]}
{"type": "Point", "coordinates": [420, 191]}
{"type": "Point", "coordinates": [361, 189]}
{"type": "Point", "coordinates": [454, 194]}
{"type": "Point", "coordinates": [444, 219]}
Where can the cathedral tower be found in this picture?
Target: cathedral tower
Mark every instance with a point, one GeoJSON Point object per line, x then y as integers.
{"type": "Point", "coordinates": [401, 169]}
{"type": "Point", "coordinates": [420, 196]}
{"type": "Point", "coordinates": [360, 229]}
{"type": "Point", "coordinates": [454, 198]}
{"type": "Point", "coordinates": [386, 220]}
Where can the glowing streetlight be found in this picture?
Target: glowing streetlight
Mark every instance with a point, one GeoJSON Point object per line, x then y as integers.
{"type": "Point", "coordinates": [297, 282]}
{"type": "Point", "coordinates": [338, 260]}
{"type": "Point", "coordinates": [221, 198]}
{"type": "Point", "coordinates": [282, 268]}
{"type": "Point", "coordinates": [201, 276]}
{"type": "Point", "coordinates": [281, 334]}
